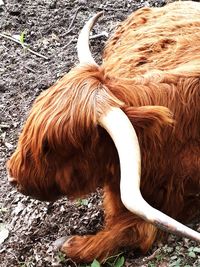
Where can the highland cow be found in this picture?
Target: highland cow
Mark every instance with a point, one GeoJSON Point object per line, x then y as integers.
{"type": "Point", "coordinates": [130, 126]}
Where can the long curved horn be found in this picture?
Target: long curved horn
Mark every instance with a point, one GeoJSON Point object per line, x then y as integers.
{"type": "Point", "coordinates": [84, 53]}
{"type": "Point", "coordinates": [129, 155]}
{"type": "Point", "coordinates": [127, 145]}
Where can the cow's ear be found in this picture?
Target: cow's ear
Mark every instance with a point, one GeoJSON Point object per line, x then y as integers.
{"type": "Point", "coordinates": [151, 118]}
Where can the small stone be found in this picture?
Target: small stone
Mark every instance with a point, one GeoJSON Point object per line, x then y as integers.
{"type": "Point", "coordinates": [82, 2]}
{"type": "Point", "coordinates": [19, 208]}
{"type": "Point", "coordinates": [9, 146]}
{"type": "Point", "coordinates": [59, 242]}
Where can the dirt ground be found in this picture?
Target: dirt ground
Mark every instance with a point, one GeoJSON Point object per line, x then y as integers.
{"type": "Point", "coordinates": [51, 27]}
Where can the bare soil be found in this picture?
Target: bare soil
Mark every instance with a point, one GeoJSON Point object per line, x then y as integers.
{"type": "Point", "coordinates": [51, 28]}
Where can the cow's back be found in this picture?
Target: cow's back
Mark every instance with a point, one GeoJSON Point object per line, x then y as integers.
{"type": "Point", "coordinates": [155, 39]}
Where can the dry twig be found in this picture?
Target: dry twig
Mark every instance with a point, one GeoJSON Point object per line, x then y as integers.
{"type": "Point", "coordinates": [102, 34]}
{"type": "Point", "coordinates": [152, 256]}
{"type": "Point", "coordinates": [74, 18]}
{"type": "Point", "coordinates": [23, 45]}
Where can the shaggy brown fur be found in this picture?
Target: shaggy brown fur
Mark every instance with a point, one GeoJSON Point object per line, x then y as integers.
{"type": "Point", "coordinates": [151, 70]}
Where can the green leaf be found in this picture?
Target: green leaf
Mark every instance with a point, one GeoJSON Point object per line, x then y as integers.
{"type": "Point", "coordinates": [95, 263]}
{"type": "Point", "coordinates": [22, 38]}
{"type": "Point", "coordinates": [192, 254]}
{"type": "Point", "coordinates": [82, 202]}
{"type": "Point", "coordinates": [175, 263]}
{"type": "Point", "coordinates": [196, 249]}
{"type": "Point", "coordinates": [61, 257]}
{"type": "Point", "coordinates": [120, 262]}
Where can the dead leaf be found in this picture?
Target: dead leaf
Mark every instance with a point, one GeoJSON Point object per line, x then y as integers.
{"type": "Point", "coordinates": [4, 233]}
